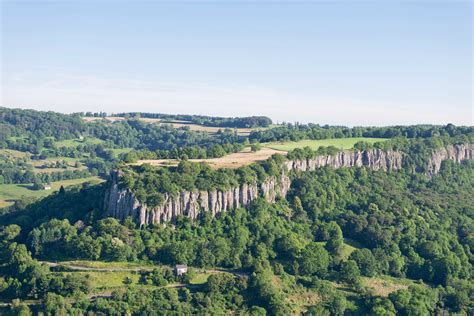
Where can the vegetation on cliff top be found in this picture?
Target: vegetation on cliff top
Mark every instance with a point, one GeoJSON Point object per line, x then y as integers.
{"type": "Point", "coordinates": [149, 183]}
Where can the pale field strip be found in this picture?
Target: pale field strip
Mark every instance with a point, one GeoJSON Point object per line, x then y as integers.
{"type": "Point", "coordinates": [179, 124]}
{"type": "Point", "coordinates": [246, 156]}
{"type": "Point", "coordinates": [232, 161]}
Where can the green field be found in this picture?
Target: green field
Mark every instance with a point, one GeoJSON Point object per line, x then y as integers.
{"type": "Point", "coordinates": [200, 278]}
{"type": "Point", "coordinates": [109, 264]}
{"type": "Point", "coordinates": [103, 280]}
{"type": "Point", "coordinates": [342, 143]}
{"type": "Point", "coordinates": [118, 151]}
{"type": "Point", "coordinates": [347, 248]}
{"type": "Point", "coordinates": [12, 192]}
{"type": "Point", "coordinates": [346, 251]}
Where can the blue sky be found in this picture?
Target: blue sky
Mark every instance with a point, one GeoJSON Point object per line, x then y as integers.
{"type": "Point", "coordinates": [349, 63]}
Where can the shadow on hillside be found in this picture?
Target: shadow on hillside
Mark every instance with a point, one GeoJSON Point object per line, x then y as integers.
{"type": "Point", "coordinates": [82, 202]}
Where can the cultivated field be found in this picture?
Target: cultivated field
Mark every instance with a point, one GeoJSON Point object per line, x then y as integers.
{"type": "Point", "coordinates": [9, 193]}
{"type": "Point", "coordinates": [108, 118]}
{"type": "Point", "coordinates": [235, 160]}
{"type": "Point", "coordinates": [177, 124]}
{"type": "Point", "coordinates": [210, 129]}
{"type": "Point", "coordinates": [246, 157]}
{"type": "Point", "coordinates": [48, 165]}
{"type": "Point", "coordinates": [342, 143]}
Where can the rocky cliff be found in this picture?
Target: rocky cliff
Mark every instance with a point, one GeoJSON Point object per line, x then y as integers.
{"type": "Point", "coordinates": [120, 203]}
{"type": "Point", "coordinates": [458, 153]}
{"type": "Point", "coordinates": [376, 159]}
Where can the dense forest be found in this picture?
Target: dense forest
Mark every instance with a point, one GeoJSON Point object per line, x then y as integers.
{"type": "Point", "coordinates": [37, 132]}
{"type": "Point", "coordinates": [347, 241]}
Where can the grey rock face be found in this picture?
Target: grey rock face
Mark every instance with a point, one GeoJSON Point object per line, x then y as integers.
{"type": "Point", "coordinates": [121, 203]}
{"type": "Point", "coordinates": [458, 153]}
{"type": "Point", "coordinates": [376, 159]}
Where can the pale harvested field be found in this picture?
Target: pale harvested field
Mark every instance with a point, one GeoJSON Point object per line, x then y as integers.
{"type": "Point", "coordinates": [150, 120]}
{"type": "Point", "coordinates": [119, 118]}
{"type": "Point", "coordinates": [108, 118]}
{"type": "Point", "coordinates": [210, 129]}
{"type": "Point", "coordinates": [235, 160]}
{"type": "Point", "coordinates": [178, 124]}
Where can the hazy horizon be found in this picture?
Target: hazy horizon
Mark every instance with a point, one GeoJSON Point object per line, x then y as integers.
{"type": "Point", "coordinates": [353, 64]}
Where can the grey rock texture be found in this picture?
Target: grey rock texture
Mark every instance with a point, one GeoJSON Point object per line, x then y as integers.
{"type": "Point", "coordinates": [458, 153]}
{"type": "Point", "coordinates": [120, 203]}
{"type": "Point", "coordinates": [376, 159]}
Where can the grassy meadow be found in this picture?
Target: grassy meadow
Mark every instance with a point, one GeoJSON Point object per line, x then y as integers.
{"type": "Point", "coordinates": [12, 192]}
{"type": "Point", "coordinates": [104, 280]}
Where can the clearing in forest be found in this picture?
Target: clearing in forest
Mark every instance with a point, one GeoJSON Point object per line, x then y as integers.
{"type": "Point", "coordinates": [384, 285]}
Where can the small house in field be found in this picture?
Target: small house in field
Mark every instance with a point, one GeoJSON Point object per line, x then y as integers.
{"type": "Point", "coordinates": [180, 269]}
{"type": "Point", "coordinates": [46, 187]}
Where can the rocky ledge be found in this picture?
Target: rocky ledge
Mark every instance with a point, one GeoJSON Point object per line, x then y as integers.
{"type": "Point", "coordinates": [121, 203]}
{"type": "Point", "coordinates": [457, 153]}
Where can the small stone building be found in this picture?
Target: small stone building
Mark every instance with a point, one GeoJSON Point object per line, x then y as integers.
{"type": "Point", "coordinates": [180, 269]}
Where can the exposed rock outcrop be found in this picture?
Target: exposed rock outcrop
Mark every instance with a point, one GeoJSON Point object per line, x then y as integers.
{"type": "Point", "coordinates": [376, 159]}
{"type": "Point", "coordinates": [458, 153]}
{"type": "Point", "coordinates": [121, 203]}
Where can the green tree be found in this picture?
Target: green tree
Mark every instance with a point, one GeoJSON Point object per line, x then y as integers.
{"type": "Point", "coordinates": [336, 240]}
{"type": "Point", "coordinates": [55, 304]}
{"type": "Point", "coordinates": [314, 260]}
{"type": "Point", "coordinates": [350, 274]}
{"type": "Point", "coordinates": [19, 308]}
{"type": "Point", "coordinates": [365, 261]}
{"type": "Point", "coordinates": [338, 305]}
{"type": "Point", "coordinates": [382, 307]}
{"type": "Point", "coordinates": [255, 147]}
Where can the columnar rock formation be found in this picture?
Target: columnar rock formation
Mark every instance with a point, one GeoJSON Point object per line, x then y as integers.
{"type": "Point", "coordinates": [121, 203]}
{"type": "Point", "coordinates": [458, 153]}
{"type": "Point", "coordinates": [376, 159]}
